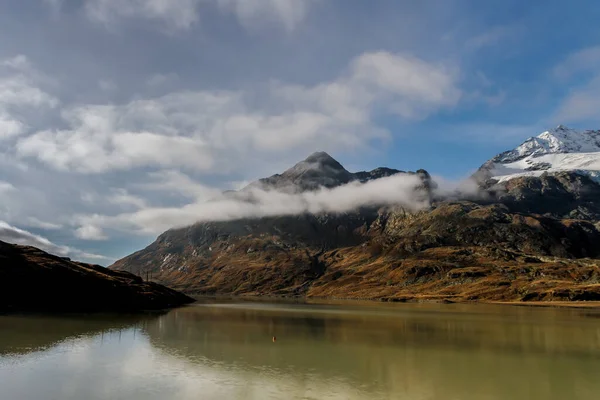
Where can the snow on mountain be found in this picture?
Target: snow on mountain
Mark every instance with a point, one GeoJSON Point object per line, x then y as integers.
{"type": "Point", "coordinates": [559, 149]}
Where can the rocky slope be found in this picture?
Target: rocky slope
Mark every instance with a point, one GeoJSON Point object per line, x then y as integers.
{"type": "Point", "coordinates": [458, 251]}
{"type": "Point", "coordinates": [33, 280]}
{"type": "Point", "coordinates": [523, 238]}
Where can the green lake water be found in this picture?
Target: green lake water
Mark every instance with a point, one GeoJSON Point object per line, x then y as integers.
{"type": "Point", "coordinates": [225, 350]}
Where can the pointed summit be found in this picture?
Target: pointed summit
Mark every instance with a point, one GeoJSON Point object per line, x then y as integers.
{"type": "Point", "coordinates": [318, 170]}
{"type": "Point", "coordinates": [561, 127]}
{"type": "Point", "coordinates": [318, 156]}
{"type": "Point", "coordinates": [323, 160]}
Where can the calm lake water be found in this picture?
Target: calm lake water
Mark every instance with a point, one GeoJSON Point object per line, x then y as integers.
{"type": "Point", "coordinates": [323, 351]}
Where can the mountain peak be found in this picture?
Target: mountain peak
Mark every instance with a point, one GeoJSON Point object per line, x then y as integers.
{"type": "Point", "coordinates": [559, 140]}
{"type": "Point", "coordinates": [318, 162]}
{"type": "Point", "coordinates": [561, 127]}
{"type": "Point", "coordinates": [322, 158]}
{"type": "Point", "coordinates": [558, 149]}
{"type": "Point", "coordinates": [318, 170]}
{"type": "Point", "coordinates": [562, 133]}
{"type": "Point", "coordinates": [319, 165]}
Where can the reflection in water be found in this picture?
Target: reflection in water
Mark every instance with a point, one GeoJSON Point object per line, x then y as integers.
{"type": "Point", "coordinates": [24, 334]}
{"type": "Point", "coordinates": [226, 351]}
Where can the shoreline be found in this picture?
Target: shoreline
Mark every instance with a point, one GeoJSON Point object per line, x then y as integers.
{"type": "Point", "coordinates": [415, 300]}
{"type": "Point", "coordinates": [549, 304]}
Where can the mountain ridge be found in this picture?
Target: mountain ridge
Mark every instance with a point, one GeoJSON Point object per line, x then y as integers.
{"type": "Point", "coordinates": [452, 250]}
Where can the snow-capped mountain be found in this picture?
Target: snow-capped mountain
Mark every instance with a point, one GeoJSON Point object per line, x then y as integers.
{"type": "Point", "coordinates": [557, 150]}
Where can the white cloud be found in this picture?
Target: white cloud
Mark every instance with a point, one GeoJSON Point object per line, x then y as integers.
{"type": "Point", "coordinates": [90, 232]}
{"type": "Point", "coordinates": [183, 14]}
{"type": "Point", "coordinates": [98, 143]}
{"type": "Point", "coordinates": [37, 223]}
{"type": "Point", "coordinates": [174, 181]}
{"type": "Point", "coordinates": [17, 84]}
{"type": "Point", "coordinates": [397, 83]}
{"type": "Point", "coordinates": [256, 202]}
{"type": "Point", "coordinates": [161, 79]}
{"type": "Point", "coordinates": [238, 185]}
{"type": "Point", "coordinates": [18, 91]}
{"type": "Point", "coordinates": [211, 131]}
{"type": "Point", "coordinates": [12, 234]}
{"type": "Point", "coordinates": [413, 86]}
{"type": "Point", "coordinates": [179, 14]}
{"type": "Point", "coordinates": [19, 95]}
{"type": "Point", "coordinates": [582, 104]}
{"type": "Point", "coordinates": [6, 187]}
{"type": "Point", "coordinates": [493, 36]}
{"type": "Point", "coordinates": [124, 198]}
{"type": "Point", "coordinates": [89, 198]}
{"type": "Point", "coordinates": [106, 85]}
{"type": "Point", "coordinates": [18, 62]}
{"type": "Point", "coordinates": [587, 59]}
{"type": "Point", "coordinates": [583, 101]}
{"type": "Point", "coordinates": [251, 13]}
{"type": "Point", "coordinates": [10, 127]}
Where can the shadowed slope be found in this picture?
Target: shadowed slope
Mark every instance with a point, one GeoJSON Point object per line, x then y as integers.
{"type": "Point", "coordinates": [33, 280]}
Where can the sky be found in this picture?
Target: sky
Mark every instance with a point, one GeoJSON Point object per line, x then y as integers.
{"type": "Point", "coordinates": [116, 114]}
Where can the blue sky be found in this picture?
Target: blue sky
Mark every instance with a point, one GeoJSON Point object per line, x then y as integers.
{"type": "Point", "coordinates": [115, 113]}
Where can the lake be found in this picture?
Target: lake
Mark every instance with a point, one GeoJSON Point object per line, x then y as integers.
{"type": "Point", "coordinates": [225, 350]}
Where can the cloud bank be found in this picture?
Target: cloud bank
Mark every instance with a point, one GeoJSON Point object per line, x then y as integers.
{"type": "Point", "coordinates": [205, 130]}
{"type": "Point", "coordinates": [254, 202]}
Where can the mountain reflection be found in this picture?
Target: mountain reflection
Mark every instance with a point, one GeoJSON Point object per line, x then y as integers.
{"type": "Point", "coordinates": [350, 352]}
{"type": "Point", "coordinates": [388, 352]}
{"type": "Point", "coordinates": [517, 330]}
{"type": "Point", "coordinates": [22, 334]}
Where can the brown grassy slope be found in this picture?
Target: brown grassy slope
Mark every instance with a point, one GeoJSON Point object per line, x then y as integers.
{"type": "Point", "coordinates": [442, 273]}
{"type": "Point", "coordinates": [459, 251]}
{"type": "Point", "coordinates": [458, 273]}
{"type": "Point", "coordinates": [33, 280]}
